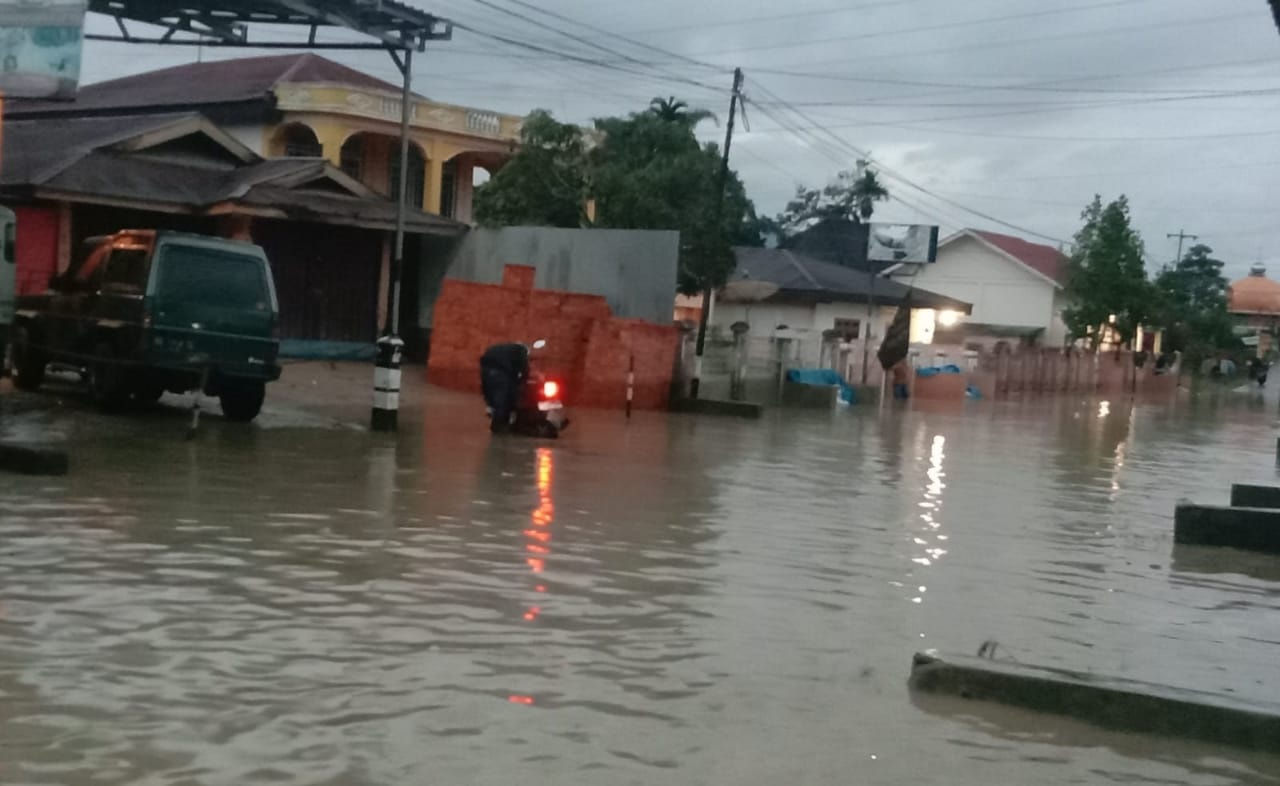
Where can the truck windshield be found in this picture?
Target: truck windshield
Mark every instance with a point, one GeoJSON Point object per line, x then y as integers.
{"type": "Point", "coordinates": [214, 277]}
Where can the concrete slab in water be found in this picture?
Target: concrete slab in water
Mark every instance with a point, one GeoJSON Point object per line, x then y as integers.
{"type": "Point", "coordinates": [1244, 495]}
{"type": "Point", "coordinates": [706, 406]}
{"type": "Point", "coordinates": [1255, 529]}
{"type": "Point", "coordinates": [1112, 702]}
{"type": "Point", "coordinates": [28, 459]}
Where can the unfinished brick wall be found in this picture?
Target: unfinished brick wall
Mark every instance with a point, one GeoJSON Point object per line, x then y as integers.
{"type": "Point", "coordinates": [588, 349]}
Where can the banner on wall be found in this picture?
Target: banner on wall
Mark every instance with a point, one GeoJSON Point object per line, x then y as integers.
{"type": "Point", "coordinates": [40, 47]}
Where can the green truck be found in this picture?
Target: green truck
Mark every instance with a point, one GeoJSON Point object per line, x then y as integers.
{"type": "Point", "coordinates": [147, 311]}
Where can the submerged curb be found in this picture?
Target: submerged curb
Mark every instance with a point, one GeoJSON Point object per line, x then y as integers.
{"type": "Point", "coordinates": [1244, 495]}
{"type": "Point", "coordinates": [1110, 702]}
{"type": "Point", "coordinates": [1254, 529]}
{"type": "Point", "coordinates": [27, 459]}
{"type": "Point", "coordinates": [705, 406]}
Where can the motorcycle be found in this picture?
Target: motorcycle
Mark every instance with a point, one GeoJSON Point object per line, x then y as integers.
{"type": "Point", "coordinates": [539, 410]}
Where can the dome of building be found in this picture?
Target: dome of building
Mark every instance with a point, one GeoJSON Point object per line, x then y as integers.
{"type": "Point", "coordinates": [1254, 294]}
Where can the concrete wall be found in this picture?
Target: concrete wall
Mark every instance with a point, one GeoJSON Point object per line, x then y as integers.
{"type": "Point", "coordinates": [634, 270]}
{"type": "Point", "coordinates": [1003, 292]}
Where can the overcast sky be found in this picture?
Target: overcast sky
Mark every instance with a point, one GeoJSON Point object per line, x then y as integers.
{"type": "Point", "coordinates": [1019, 110]}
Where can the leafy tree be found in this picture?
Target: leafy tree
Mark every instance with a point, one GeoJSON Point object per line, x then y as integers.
{"type": "Point", "coordinates": [544, 184]}
{"type": "Point", "coordinates": [1106, 278]}
{"type": "Point", "coordinates": [847, 198]}
{"type": "Point", "coordinates": [645, 171]}
{"type": "Point", "coordinates": [1193, 304]}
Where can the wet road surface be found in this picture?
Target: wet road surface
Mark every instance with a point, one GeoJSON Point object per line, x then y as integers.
{"type": "Point", "coordinates": [682, 600]}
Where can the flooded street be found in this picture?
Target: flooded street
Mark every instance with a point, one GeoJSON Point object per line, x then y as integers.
{"type": "Point", "coordinates": [680, 600]}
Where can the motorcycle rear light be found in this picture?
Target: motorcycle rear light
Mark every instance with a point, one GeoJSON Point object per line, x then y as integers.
{"type": "Point", "coordinates": [550, 389]}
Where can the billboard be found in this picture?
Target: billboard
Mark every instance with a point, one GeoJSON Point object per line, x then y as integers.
{"type": "Point", "coordinates": [40, 44]}
{"type": "Point", "coordinates": [902, 243]}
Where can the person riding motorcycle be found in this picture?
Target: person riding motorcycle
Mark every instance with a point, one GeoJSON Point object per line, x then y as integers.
{"type": "Point", "coordinates": [503, 371]}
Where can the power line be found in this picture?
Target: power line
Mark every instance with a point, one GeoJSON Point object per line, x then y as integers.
{"type": "Point", "coordinates": [925, 28]}
{"type": "Point", "coordinates": [907, 181]}
{"type": "Point", "coordinates": [1000, 43]}
{"type": "Point", "coordinates": [775, 17]}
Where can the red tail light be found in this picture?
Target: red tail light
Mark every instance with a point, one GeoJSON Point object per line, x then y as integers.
{"type": "Point", "coordinates": [550, 389]}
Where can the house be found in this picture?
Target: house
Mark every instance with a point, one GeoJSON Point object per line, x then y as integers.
{"type": "Point", "coordinates": [778, 290]}
{"type": "Point", "coordinates": [307, 106]}
{"type": "Point", "coordinates": [1015, 286]}
{"type": "Point", "coordinates": [327, 235]}
{"type": "Point", "coordinates": [1254, 302]}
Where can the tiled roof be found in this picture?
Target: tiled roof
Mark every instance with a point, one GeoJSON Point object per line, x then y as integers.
{"type": "Point", "coordinates": [203, 84]}
{"type": "Point", "coordinates": [800, 275]}
{"type": "Point", "coordinates": [1045, 260]}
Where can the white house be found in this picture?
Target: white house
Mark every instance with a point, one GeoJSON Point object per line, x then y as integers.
{"type": "Point", "coordinates": [1015, 287]}
{"type": "Point", "coordinates": [781, 292]}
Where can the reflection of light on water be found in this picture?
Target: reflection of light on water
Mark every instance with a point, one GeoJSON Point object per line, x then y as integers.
{"type": "Point", "coordinates": [538, 539]}
{"type": "Point", "coordinates": [932, 507]}
{"type": "Point", "coordinates": [1104, 409]}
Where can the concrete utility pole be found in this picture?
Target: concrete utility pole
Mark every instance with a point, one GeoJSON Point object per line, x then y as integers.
{"type": "Point", "coordinates": [386, 371]}
{"type": "Point", "coordinates": [1181, 237]}
{"type": "Point", "coordinates": [708, 292]}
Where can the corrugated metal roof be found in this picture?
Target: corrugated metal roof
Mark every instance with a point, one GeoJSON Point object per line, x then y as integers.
{"type": "Point", "coordinates": [1045, 260]}
{"type": "Point", "coordinates": [85, 158]}
{"type": "Point", "coordinates": [798, 275]}
{"type": "Point", "coordinates": [195, 85]}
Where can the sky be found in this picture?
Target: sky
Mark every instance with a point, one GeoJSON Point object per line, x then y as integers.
{"type": "Point", "coordinates": [1006, 115]}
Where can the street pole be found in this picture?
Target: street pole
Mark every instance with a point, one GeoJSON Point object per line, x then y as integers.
{"type": "Point", "coordinates": [386, 372]}
{"type": "Point", "coordinates": [709, 292]}
{"type": "Point", "coordinates": [1181, 237]}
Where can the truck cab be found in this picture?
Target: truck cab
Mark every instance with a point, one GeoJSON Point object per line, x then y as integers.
{"type": "Point", "coordinates": [146, 311]}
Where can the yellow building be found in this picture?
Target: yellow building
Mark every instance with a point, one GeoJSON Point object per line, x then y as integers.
{"type": "Point", "coordinates": [310, 106]}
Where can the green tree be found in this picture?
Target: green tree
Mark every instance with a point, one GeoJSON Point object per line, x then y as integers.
{"type": "Point", "coordinates": [1106, 278]}
{"type": "Point", "coordinates": [644, 171]}
{"type": "Point", "coordinates": [673, 110]}
{"type": "Point", "coordinates": [544, 184]}
{"type": "Point", "coordinates": [1193, 305]}
{"type": "Point", "coordinates": [849, 197]}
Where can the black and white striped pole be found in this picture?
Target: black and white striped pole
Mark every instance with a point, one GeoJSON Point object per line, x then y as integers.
{"type": "Point", "coordinates": [386, 372]}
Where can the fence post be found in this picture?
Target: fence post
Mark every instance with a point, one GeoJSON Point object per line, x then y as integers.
{"type": "Point", "coordinates": [738, 374]}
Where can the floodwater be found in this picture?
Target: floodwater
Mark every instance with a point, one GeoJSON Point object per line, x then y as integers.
{"type": "Point", "coordinates": [680, 600]}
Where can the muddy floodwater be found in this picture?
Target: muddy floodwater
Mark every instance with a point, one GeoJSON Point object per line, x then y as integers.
{"type": "Point", "coordinates": [678, 601]}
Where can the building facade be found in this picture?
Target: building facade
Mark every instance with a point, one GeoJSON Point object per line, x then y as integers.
{"type": "Point", "coordinates": [1015, 287]}
{"type": "Point", "coordinates": [307, 106]}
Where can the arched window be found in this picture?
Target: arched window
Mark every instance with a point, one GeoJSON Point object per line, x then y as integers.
{"type": "Point", "coordinates": [351, 157]}
{"type": "Point", "coordinates": [417, 175]}
{"type": "Point", "coordinates": [301, 142]}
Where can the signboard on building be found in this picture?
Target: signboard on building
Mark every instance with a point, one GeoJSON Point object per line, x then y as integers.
{"type": "Point", "coordinates": [902, 243]}
{"type": "Point", "coordinates": [40, 46]}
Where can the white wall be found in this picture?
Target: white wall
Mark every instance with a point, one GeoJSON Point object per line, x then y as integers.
{"type": "Point", "coordinates": [1002, 292]}
{"type": "Point", "coordinates": [764, 318]}
{"type": "Point", "coordinates": [248, 135]}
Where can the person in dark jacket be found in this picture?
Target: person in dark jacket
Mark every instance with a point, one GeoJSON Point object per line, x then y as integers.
{"type": "Point", "coordinates": [503, 371]}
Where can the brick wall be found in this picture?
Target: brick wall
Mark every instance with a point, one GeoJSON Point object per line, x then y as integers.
{"type": "Point", "coordinates": [37, 248]}
{"type": "Point", "coordinates": [588, 349]}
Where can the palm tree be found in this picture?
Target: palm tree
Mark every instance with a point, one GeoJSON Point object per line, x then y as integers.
{"type": "Point", "coordinates": [866, 191]}
{"type": "Point", "coordinates": [673, 110]}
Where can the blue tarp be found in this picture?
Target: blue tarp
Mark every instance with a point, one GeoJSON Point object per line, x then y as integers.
{"type": "Point", "coordinates": [823, 377]}
{"type": "Point", "coordinates": [307, 349]}
{"type": "Point", "coordinates": [936, 370]}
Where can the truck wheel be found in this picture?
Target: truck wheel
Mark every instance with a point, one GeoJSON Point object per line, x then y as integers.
{"type": "Point", "coordinates": [28, 362]}
{"type": "Point", "coordinates": [106, 378]}
{"type": "Point", "coordinates": [242, 401]}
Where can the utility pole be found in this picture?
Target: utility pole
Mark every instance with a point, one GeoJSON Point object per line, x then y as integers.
{"type": "Point", "coordinates": [708, 291]}
{"type": "Point", "coordinates": [386, 372]}
{"type": "Point", "coordinates": [1181, 237]}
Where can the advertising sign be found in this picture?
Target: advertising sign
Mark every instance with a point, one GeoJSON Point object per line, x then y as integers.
{"type": "Point", "coordinates": [902, 243]}
{"type": "Point", "coordinates": [40, 45]}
